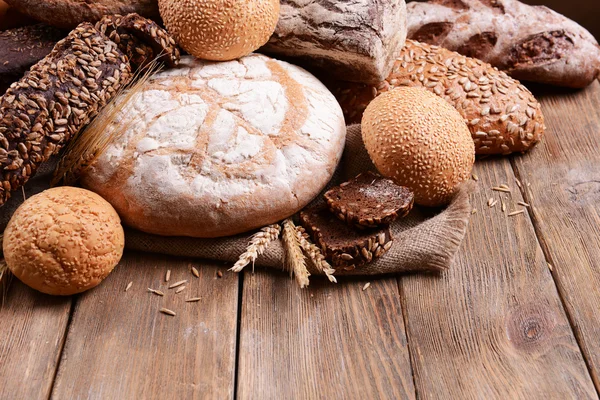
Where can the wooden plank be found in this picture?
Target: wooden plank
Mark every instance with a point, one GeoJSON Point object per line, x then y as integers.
{"type": "Point", "coordinates": [564, 191]}
{"type": "Point", "coordinates": [32, 334]}
{"type": "Point", "coordinates": [120, 347]}
{"type": "Point", "coordinates": [324, 342]}
{"type": "Point", "coordinates": [493, 326]}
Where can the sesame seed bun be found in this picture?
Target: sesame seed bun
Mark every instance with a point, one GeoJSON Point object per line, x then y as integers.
{"type": "Point", "coordinates": [63, 241]}
{"type": "Point", "coordinates": [420, 141]}
{"type": "Point", "coordinates": [220, 30]}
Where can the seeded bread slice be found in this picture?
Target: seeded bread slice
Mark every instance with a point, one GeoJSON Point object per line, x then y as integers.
{"type": "Point", "coordinates": [344, 246]}
{"type": "Point", "coordinates": [369, 200]}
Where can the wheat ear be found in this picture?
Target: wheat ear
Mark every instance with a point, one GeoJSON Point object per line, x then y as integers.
{"type": "Point", "coordinates": [294, 258]}
{"type": "Point", "coordinates": [257, 245]}
{"type": "Point", "coordinates": [314, 254]}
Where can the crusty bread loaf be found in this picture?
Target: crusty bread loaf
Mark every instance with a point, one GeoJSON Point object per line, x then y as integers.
{"type": "Point", "coordinates": [502, 115]}
{"type": "Point", "coordinates": [530, 43]}
{"type": "Point", "coordinates": [70, 13]}
{"type": "Point", "coordinates": [350, 40]}
{"type": "Point", "coordinates": [216, 149]}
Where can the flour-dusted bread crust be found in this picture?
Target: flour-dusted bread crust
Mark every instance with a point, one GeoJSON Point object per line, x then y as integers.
{"type": "Point", "coordinates": [531, 43]}
{"type": "Point", "coordinates": [216, 149]}
{"type": "Point", "coordinates": [354, 40]}
{"type": "Point", "coordinates": [70, 13]}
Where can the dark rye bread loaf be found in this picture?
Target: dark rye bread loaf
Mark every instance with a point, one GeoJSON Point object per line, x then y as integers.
{"type": "Point", "coordinates": [531, 43]}
{"type": "Point", "coordinates": [20, 48]}
{"type": "Point", "coordinates": [344, 246]}
{"type": "Point", "coordinates": [70, 13]}
{"type": "Point", "coordinates": [369, 201]}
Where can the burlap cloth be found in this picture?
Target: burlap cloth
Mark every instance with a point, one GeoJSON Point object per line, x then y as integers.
{"type": "Point", "coordinates": [426, 240]}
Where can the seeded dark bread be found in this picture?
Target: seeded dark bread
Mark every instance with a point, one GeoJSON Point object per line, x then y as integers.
{"type": "Point", "coordinates": [369, 201]}
{"type": "Point", "coordinates": [55, 99]}
{"type": "Point", "coordinates": [344, 246]}
{"type": "Point", "coordinates": [69, 13]}
{"type": "Point", "coordinates": [20, 48]}
{"type": "Point", "coordinates": [141, 39]}
{"type": "Point", "coordinates": [502, 115]}
{"type": "Point", "coordinates": [531, 43]}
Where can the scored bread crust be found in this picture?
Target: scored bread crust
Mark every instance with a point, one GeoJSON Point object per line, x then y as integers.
{"type": "Point", "coordinates": [502, 114]}
{"type": "Point", "coordinates": [216, 149]}
{"type": "Point", "coordinates": [531, 43]}
{"type": "Point", "coordinates": [70, 13]}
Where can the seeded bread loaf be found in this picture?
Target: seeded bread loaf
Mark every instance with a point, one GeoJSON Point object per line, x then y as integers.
{"type": "Point", "coordinates": [70, 13]}
{"type": "Point", "coordinates": [369, 201]}
{"type": "Point", "coordinates": [502, 115]}
{"type": "Point", "coordinates": [20, 48]}
{"type": "Point", "coordinates": [530, 43]}
{"type": "Point", "coordinates": [58, 96]}
{"type": "Point", "coordinates": [351, 40]}
{"type": "Point", "coordinates": [344, 246]}
{"type": "Point", "coordinates": [216, 149]}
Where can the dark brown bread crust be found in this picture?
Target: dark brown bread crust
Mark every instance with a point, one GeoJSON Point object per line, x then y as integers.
{"type": "Point", "coordinates": [530, 43]}
{"type": "Point", "coordinates": [70, 13]}
{"type": "Point", "coordinates": [20, 48]}
{"type": "Point", "coordinates": [344, 246]}
{"type": "Point", "coordinates": [369, 201]}
{"type": "Point", "coordinates": [60, 94]}
{"type": "Point", "coordinates": [141, 39]}
{"type": "Point", "coordinates": [54, 100]}
{"type": "Point", "coordinates": [502, 115]}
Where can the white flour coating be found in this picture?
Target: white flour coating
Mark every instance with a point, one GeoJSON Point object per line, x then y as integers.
{"type": "Point", "coordinates": [213, 149]}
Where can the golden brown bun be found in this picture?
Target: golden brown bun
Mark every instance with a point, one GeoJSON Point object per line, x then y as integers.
{"type": "Point", "coordinates": [220, 30]}
{"type": "Point", "coordinates": [63, 241]}
{"type": "Point", "coordinates": [420, 141]}
{"type": "Point", "coordinates": [503, 116]}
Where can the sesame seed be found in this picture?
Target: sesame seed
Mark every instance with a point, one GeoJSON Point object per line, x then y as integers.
{"type": "Point", "coordinates": [129, 285]}
{"type": "Point", "coordinates": [168, 275]}
{"type": "Point", "coordinates": [366, 286]}
{"type": "Point", "coordinates": [180, 289]}
{"type": "Point", "coordinates": [195, 272]}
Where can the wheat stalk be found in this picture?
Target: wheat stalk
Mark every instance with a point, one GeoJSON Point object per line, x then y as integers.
{"type": "Point", "coordinates": [87, 145]}
{"type": "Point", "coordinates": [294, 258]}
{"type": "Point", "coordinates": [314, 254]}
{"type": "Point", "coordinates": [257, 245]}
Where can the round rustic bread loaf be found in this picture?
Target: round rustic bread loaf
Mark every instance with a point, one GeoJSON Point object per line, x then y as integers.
{"type": "Point", "coordinates": [70, 13]}
{"type": "Point", "coordinates": [216, 149]}
{"type": "Point", "coordinates": [420, 141]}
{"type": "Point", "coordinates": [63, 241]}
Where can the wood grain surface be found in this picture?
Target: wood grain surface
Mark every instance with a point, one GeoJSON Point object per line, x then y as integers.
{"type": "Point", "coordinates": [493, 326]}
{"type": "Point", "coordinates": [327, 342]}
{"type": "Point", "coordinates": [32, 334]}
{"type": "Point", "coordinates": [120, 347]}
{"type": "Point", "coordinates": [564, 191]}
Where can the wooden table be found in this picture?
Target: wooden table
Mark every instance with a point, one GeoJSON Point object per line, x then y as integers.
{"type": "Point", "coordinates": [517, 316]}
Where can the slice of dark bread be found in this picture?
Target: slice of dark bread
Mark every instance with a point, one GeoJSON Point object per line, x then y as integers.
{"type": "Point", "coordinates": [369, 201]}
{"type": "Point", "coordinates": [344, 246]}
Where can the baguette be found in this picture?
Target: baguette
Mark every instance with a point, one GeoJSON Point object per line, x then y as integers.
{"type": "Point", "coordinates": [502, 115]}
{"type": "Point", "coordinates": [531, 43]}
